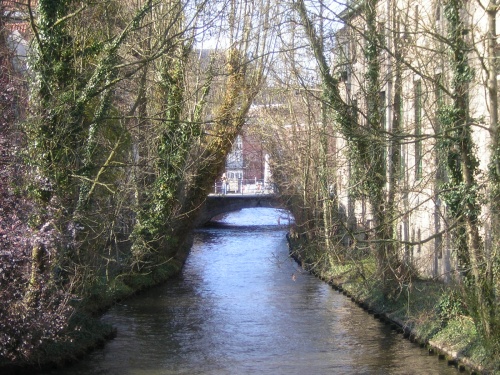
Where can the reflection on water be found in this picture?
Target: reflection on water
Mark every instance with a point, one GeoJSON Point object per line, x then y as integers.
{"type": "Point", "coordinates": [241, 306]}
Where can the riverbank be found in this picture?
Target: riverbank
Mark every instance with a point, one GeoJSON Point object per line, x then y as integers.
{"type": "Point", "coordinates": [85, 331]}
{"type": "Point", "coordinates": [423, 311]}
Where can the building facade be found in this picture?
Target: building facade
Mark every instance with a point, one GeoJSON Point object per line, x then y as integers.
{"type": "Point", "coordinates": [246, 164]}
{"type": "Point", "coordinates": [416, 84]}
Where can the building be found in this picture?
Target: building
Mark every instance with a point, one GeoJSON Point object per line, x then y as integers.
{"type": "Point", "coordinates": [246, 166]}
{"type": "Point", "coordinates": [14, 24]}
{"type": "Point", "coordinates": [416, 84]}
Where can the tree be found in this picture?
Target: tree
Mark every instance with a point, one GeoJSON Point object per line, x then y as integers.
{"type": "Point", "coordinates": [122, 147]}
{"type": "Point", "coordinates": [367, 144]}
{"type": "Point", "coordinates": [415, 56]}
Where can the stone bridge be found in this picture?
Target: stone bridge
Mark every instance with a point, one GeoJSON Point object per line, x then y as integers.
{"type": "Point", "coordinates": [218, 204]}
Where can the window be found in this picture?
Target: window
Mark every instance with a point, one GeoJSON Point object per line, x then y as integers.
{"type": "Point", "coordinates": [417, 15]}
{"type": "Point", "coordinates": [402, 161]}
{"type": "Point", "coordinates": [402, 146]}
{"type": "Point", "coordinates": [354, 110]}
{"type": "Point", "coordinates": [439, 90]}
{"type": "Point", "coordinates": [382, 106]}
{"type": "Point", "coordinates": [353, 49]}
{"type": "Point", "coordinates": [439, 17]}
{"type": "Point", "coordinates": [342, 60]}
{"type": "Point", "coordinates": [419, 236]}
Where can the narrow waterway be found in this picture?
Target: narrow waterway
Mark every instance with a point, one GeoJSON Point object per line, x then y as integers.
{"type": "Point", "coordinates": [241, 306]}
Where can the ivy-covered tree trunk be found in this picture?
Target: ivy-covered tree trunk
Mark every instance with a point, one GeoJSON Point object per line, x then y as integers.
{"type": "Point", "coordinates": [492, 67]}
{"type": "Point", "coordinates": [394, 166]}
{"type": "Point", "coordinates": [160, 207]}
{"type": "Point", "coordinates": [341, 114]}
{"type": "Point", "coordinates": [326, 171]}
{"type": "Point", "coordinates": [376, 172]}
{"type": "Point", "coordinates": [493, 253]}
{"type": "Point", "coordinates": [240, 89]}
{"type": "Point", "coordinates": [53, 129]}
{"type": "Point", "coordinates": [190, 152]}
{"type": "Point", "coordinates": [76, 77]}
{"type": "Point", "coordinates": [366, 147]}
{"type": "Point", "coordinates": [463, 196]}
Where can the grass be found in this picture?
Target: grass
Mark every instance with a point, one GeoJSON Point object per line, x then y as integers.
{"type": "Point", "coordinates": [430, 309]}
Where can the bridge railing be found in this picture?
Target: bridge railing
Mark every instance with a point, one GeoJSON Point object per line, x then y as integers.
{"type": "Point", "coordinates": [243, 186]}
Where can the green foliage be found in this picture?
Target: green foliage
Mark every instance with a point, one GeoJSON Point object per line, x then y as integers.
{"type": "Point", "coordinates": [450, 306]}
{"type": "Point", "coordinates": [367, 145]}
{"type": "Point", "coordinates": [462, 199]}
{"type": "Point", "coordinates": [111, 156]}
{"type": "Point", "coordinates": [174, 140]}
{"type": "Point", "coordinates": [462, 71]}
{"type": "Point", "coordinates": [455, 145]}
{"type": "Point", "coordinates": [462, 191]}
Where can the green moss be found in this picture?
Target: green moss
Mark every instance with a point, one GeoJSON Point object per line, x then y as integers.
{"type": "Point", "coordinates": [460, 336]}
{"type": "Point", "coordinates": [425, 326]}
{"type": "Point", "coordinates": [457, 334]}
{"type": "Point", "coordinates": [119, 290]}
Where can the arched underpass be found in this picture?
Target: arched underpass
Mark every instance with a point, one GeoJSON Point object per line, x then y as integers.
{"type": "Point", "coordinates": [219, 204]}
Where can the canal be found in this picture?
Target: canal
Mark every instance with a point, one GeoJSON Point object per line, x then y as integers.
{"type": "Point", "coordinates": [241, 306]}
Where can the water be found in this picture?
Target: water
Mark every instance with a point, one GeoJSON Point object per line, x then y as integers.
{"type": "Point", "coordinates": [241, 306]}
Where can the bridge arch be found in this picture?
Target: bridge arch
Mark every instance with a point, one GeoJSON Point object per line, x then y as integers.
{"type": "Point", "coordinates": [220, 204]}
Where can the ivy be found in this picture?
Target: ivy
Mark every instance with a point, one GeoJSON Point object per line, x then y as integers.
{"type": "Point", "coordinates": [455, 144]}
{"type": "Point", "coordinates": [462, 199]}
{"type": "Point", "coordinates": [450, 306]}
{"type": "Point", "coordinates": [462, 192]}
{"type": "Point", "coordinates": [176, 135]}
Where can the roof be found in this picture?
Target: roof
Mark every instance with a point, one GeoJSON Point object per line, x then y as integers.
{"type": "Point", "coordinates": [15, 14]}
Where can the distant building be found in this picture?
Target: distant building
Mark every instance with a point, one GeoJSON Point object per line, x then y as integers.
{"type": "Point", "coordinates": [246, 163]}
{"type": "Point", "coordinates": [234, 160]}
{"type": "Point", "coordinates": [14, 22]}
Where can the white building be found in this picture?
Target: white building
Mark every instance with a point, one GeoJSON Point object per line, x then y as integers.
{"type": "Point", "coordinates": [415, 71]}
